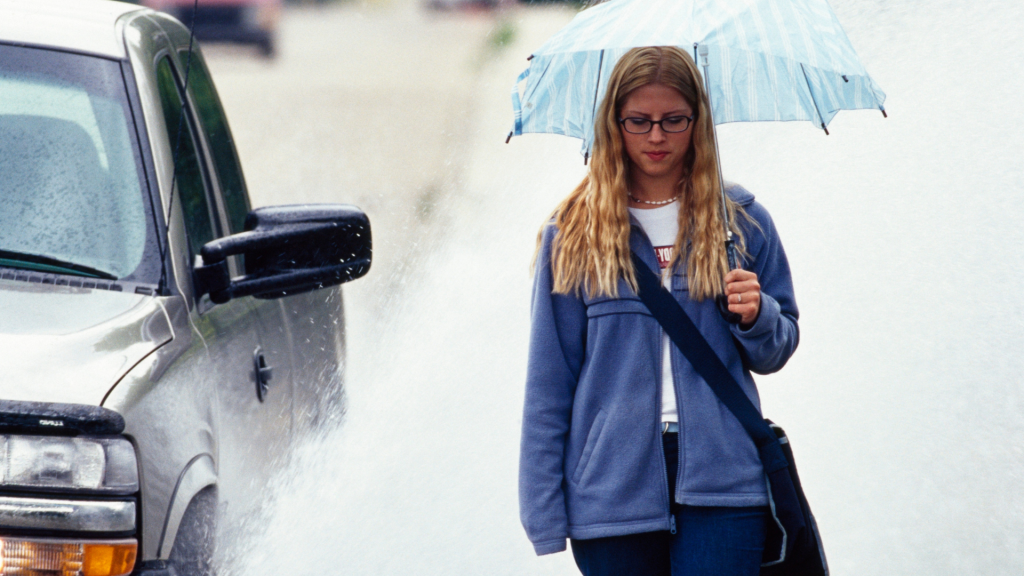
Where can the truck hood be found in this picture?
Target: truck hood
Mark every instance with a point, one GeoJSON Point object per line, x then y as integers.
{"type": "Point", "coordinates": [65, 344]}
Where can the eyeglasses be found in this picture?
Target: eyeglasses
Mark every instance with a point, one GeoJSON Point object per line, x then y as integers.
{"type": "Point", "coordinates": [670, 125]}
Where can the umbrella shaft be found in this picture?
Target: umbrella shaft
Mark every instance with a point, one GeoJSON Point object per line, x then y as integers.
{"type": "Point", "coordinates": [730, 249]}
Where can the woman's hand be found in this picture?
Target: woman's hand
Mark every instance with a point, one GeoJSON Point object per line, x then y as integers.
{"type": "Point", "coordinates": [743, 292]}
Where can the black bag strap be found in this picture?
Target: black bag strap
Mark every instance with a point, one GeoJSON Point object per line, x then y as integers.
{"type": "Point", "coordinates": [684, 333]}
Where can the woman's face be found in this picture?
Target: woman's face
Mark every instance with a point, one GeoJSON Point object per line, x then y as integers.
{"type": "Point", "coordinates": [657, 154]}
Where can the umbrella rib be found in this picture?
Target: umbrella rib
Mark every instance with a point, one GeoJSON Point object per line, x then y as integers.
{"type": "Point", "coordinates": [813, 100]}
{"type": "Point", "coordinates": [597, 90]}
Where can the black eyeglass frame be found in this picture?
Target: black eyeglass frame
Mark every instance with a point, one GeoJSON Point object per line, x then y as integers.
{"type": "Point", "coordinates": [651, 123]}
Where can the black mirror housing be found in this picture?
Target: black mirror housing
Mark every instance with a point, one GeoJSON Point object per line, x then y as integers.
{"type": "Point", "coordinates": [288, 250]}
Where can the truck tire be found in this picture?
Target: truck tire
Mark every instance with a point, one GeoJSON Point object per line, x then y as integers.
{"type": "Point", "coordinates": [192, 554]}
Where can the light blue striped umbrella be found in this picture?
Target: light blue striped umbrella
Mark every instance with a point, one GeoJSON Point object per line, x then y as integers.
{"type": "Point", "coordinates": [763, 60]}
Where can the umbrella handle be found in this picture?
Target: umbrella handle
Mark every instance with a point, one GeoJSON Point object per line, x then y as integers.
{"type": "Point", "coordinates": [722, 301]}
{"type": "Point", "coordinates": [723, 309]}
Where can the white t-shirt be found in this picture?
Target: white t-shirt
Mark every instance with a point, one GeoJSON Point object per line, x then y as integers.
{"type": "Point", "coordinates": [662, 225]}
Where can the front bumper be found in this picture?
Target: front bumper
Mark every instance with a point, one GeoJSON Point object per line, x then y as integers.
{"type": "Point", "coordinates": [103, 516]}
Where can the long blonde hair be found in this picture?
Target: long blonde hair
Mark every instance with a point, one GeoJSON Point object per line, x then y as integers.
{"type": "Point", "coordinates": [591, 248]}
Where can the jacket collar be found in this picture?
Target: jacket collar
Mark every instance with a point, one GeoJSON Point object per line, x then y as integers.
{"type": "Point", "coordinates": [739, 194]}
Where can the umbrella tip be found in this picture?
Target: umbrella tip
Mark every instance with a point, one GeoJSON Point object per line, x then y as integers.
{"type": "Point", "coordinates": [586, 156]}
{"type": "Point", "coordinates": [509, 136]}
{"type": "Point", "coordinates": [845, 79]}
{"type": "Point", "coordinates": [825, 128]}
{"type": "Point", "coordinates": [530, 57]}
{"type": "Point", "coordinates": [884, 115]}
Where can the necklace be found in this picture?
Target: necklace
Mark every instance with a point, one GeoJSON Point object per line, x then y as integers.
{"type": "Point", "coordinates": [658, 203]}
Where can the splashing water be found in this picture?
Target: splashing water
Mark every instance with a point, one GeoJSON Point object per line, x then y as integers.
{"type": "Point", "coordinates": [904, 399]}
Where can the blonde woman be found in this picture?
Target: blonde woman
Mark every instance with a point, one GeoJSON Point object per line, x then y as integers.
{"type": "Point", "coordinates": [626, 451]}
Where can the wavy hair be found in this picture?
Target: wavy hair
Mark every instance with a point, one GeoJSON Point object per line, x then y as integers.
{"type": "Point", "coordinates": [591, 247]}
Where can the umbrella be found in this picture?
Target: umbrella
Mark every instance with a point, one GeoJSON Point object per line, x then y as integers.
{"type": "Point", "coordinates": [766, 60]}
{"type": "Point", "coordinates": [763, 60]}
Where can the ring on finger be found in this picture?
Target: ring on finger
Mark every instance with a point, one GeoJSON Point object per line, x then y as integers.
{"type": "Point", "coordinates": [739, 298]}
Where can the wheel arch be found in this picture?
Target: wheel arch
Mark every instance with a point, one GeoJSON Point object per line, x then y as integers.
{"type": "Point", "coordinates": [198, 475]}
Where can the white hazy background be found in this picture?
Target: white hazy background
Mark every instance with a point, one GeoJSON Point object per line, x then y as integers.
{"type": "Point", "coordinates": [904, 400]}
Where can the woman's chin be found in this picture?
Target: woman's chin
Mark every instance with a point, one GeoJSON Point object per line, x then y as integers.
{"type": "Point", "coordinates": [657, 170]}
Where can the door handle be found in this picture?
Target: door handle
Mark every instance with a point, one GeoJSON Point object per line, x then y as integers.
{"type": "Point", "coordinates": [263, 374]}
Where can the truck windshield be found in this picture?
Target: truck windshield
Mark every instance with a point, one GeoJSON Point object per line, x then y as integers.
{"type": "Point", "coordinates": [70, 190]}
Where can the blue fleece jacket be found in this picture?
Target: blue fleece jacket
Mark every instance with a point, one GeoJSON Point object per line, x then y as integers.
{"type": "Point", "coordinates": [591, 462]}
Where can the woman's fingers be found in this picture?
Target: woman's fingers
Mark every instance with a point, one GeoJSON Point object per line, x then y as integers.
{"type": "Point", "coordinates": [744, 299]}
{"type": "Point", "coordinates": [742, 287]}
{"type": "Point", "coordinates": [739, 275]}
{"type": "Point", "coordinates": [747, 309]}
{"type": "Point", "coordinates": [743, 292]}
{"type": "Point", "coordinates": [752, 297]}
{"type": "Point", "coordinates": [741, 281]}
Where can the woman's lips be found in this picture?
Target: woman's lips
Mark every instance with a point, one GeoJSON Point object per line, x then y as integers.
{"type": "Point", "coordinates": [656, 156]}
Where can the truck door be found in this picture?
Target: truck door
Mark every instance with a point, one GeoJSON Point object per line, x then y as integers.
{"type": "Point", "coordinates": [302, 336]}
{"type": "Point", "coordinates": [254, 420]}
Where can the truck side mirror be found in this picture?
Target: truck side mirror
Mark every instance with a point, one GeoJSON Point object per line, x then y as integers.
{"type": "Point", "coordinates": [288, 250]}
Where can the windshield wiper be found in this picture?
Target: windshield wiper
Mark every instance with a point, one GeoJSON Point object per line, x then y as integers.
{"type": "Point", "coordinates": [40, 263]}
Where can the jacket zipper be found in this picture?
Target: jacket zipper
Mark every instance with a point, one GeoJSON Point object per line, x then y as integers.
{"type": "Point", "coordinates": [661, 438]}
{"type": "Point", "coordinates": [660, 355]}
{"type": "Point", "coordinates": [679, 417]}
{"type": "Point", "coordinates": [679, 409]}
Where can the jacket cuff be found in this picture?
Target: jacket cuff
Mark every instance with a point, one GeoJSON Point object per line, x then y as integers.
{"type": "Point", "coordinates": [549, 546]}
{"type": "Point", "coordinates": [766, 319]}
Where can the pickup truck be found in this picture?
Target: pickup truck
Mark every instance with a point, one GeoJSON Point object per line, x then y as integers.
{"type": "Point", "coordinates": [162, 344]}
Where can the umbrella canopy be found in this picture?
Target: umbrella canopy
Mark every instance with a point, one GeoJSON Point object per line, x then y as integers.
{"type": "Point", "coordinates": [769, 60]}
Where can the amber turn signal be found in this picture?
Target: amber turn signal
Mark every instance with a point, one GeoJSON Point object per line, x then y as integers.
{"type": "Point", "coordinates": [67, 557]}
{"type": "Point", "coordinates": [108, 558]}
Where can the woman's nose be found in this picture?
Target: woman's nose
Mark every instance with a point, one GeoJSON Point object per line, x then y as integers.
{"type": "Point", "coordinates": [656, 134]}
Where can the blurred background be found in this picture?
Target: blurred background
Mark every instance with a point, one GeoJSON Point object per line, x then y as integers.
{"type": "Point", "coordinates": [904, 401]}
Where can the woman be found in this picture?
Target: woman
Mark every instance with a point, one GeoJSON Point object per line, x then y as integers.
{"type": "Point", "coordinates": [625, 450]}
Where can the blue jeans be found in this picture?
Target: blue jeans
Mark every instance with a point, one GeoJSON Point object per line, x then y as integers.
{"type": "Point", "coordinates": [709, 540]}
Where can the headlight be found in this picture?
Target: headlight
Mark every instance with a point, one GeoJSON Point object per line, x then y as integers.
{"type": "Point", "coordinates": [99, 464]}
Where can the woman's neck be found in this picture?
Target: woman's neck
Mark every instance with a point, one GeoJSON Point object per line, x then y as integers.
{"type": "Point", "coordinates": [643, 187]}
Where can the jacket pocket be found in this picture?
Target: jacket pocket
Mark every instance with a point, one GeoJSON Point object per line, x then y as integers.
{"type": "Point", "coordinates": [616, 306]}
{"type": "Point", "coordinates": [588, 448]}
{"type": "Point", "coordinates": [680, 282]}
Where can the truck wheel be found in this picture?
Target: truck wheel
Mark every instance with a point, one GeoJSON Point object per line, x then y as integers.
{"type": "Point", "coordinates": [192, 554]}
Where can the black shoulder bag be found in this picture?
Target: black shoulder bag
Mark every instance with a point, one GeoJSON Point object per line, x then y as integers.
{"type": "Point", "coordinates": [793, 545]}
